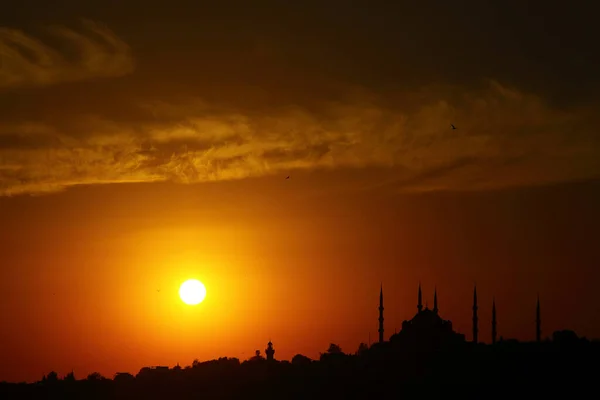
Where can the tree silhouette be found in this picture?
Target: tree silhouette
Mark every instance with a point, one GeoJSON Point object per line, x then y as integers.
{"type": "Point", "coordinates": [123, 377]}
{"type": "Point", "coordinates": [299, 359]}
{"type": "Point", "coordinates": [257, 356]}
{"type": "Point", "coordinates": [334, 349]}
{"type": "Point", "coordinates": [70, 377]}
{"type": "Point", "coordinates": [566, 358]}
{"type": "Point", "coordinates": [95, 376]}
{"type": "Point", "coordinates": [334, 352]}
{"type": "Point", "coordinates": [362, 349]}
{"type": "Point", "coordinates": [52, 377]}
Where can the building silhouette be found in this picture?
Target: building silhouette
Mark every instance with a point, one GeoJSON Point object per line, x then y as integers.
{"type": "Point", "coordinates": [420, 300]}
{"type": "Point", "coordinates": [270, 351]}
{"type": "Point", "coordinates": [426, 330]}
{"type": "Point", "coordinates": [475, 318]}
{"type": "Point", "coordinates": [538, 322]}
{"type": "Point", "coordinates": [381, 315]}
{"type": "Point", "coordinates": [494, 332]}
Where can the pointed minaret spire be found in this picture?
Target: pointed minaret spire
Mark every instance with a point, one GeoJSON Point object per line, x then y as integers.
{"type": "Point", "coordinates": [475, 319]}
{"type": "Point", "coordinates": [420, 303]}
{"type": "Point", "coordinates": [538, 321]}
{"type": "Point", "coordinates": [381, 314]}
{"type": "Point", "coordinates": [435, 304]}
{"type": "Point", "coordinates": [494, 333]}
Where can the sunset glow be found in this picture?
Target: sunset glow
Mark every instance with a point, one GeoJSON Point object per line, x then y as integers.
{"type": "Point", "coordinates": [190, 180]}
{"type": "Point", "coordinates": [192, 292]}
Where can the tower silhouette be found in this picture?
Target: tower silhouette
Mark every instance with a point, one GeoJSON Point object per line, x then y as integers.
{"type": "Point", "coordinates": [435, 303]}
{"type": "Point", "coordinates": [475, 319]}
{"type": "Point", "coordinates": [420, 303]}
{"type": "Point", "coordinates": [270, 351]}
{"type": "Point", "coordinates": [494, 333]}
{"type": "Point", "coordinates": [538, 321]}
{"type": "Point", "coordinates": [381, 314]}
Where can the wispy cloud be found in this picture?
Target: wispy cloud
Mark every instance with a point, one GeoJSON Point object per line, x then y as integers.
{"type": "Point", "coordinates": [97, 53]}
{"type": "Point", "coordinates": [505, 137]}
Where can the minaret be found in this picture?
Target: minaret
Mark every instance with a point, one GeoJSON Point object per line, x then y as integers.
{"type": "Point", "coordinates": [270, 351]}
{"type": "Point", "coordinates": [435, 306]}
{"type": "Point", "coordinates": [494, 333]}
{"type": "Point", "coordinates": [381, 314]}
{"type": "Point", "coordinates": [475, 319]}
{"type": "Point", "coordinates": [538, 322]}
{"type": "Point", "coordinates": [420, 304]}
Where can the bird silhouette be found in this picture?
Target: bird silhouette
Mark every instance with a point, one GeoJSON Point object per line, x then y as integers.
{"type": "Point", "coordinates": [452, 125]}
{"type": "Point", "coordinates": [288, 177]}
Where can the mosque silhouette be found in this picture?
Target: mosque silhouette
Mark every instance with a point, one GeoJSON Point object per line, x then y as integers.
{"type": "Point", "coordinates": [428, 330]}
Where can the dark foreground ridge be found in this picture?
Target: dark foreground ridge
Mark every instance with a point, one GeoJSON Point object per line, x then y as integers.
{"type": "Point", "coordinates": [427, 357]}
{"type": "Point", "coordinates": [567, 362]}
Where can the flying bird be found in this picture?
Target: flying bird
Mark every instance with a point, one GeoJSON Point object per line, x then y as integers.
{"type": "Point", "coordinates": [452, 125]}
{"type": "Point", "coordinates": [288, 177]}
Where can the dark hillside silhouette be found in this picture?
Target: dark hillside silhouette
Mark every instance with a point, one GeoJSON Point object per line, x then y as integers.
{"type": "Point", "coordinates": [381, 370]}
{"type": "Point", "coordinates": [426, 351]}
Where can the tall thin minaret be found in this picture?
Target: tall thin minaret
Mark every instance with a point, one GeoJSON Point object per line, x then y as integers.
{"type": "Point", "coordinates": [420, 304]}
{"type": "Point", "coordinates": [381, 314]}
{"type": "Point", "coordinates": [475, 319]}
{"type": "Point", "coordinates": [435, 305]}
{"type": "Point", "coordinates": [494, 333]}
{"type": "Point", "coordinates": [538, 321]}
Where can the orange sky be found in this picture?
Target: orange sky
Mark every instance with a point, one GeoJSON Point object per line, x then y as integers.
{"type": "Point", "coordinates": [145, 145]}
{"type": "Point", "coordinates": [81, 269]}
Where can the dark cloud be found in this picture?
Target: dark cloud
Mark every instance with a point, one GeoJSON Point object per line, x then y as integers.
{"type": "Point", "coordinates": [228, 91]}
{"type": "Point", "coordinates": [95, 53]}
{"type": "Point", "coordinates": [504, 138]}
{"type": "Point", "coordinates": [16, 142]}
{"type": "Point", "coordinates": [542, 47]}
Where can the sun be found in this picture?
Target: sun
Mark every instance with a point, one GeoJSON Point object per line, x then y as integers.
{"type": "Point", "coordinates": [192, 292]}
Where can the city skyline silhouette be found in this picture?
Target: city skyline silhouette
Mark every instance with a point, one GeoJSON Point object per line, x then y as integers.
{"type": "Point", "coordinates": [426, 331]}
{"type": "Point", "coordinates": [420, 352]}
{"type": "Point", "coordinates": [383, 191]}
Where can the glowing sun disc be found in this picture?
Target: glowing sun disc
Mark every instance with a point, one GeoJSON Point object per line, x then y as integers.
{"type": "Point", "coordinates": [192, 292]}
